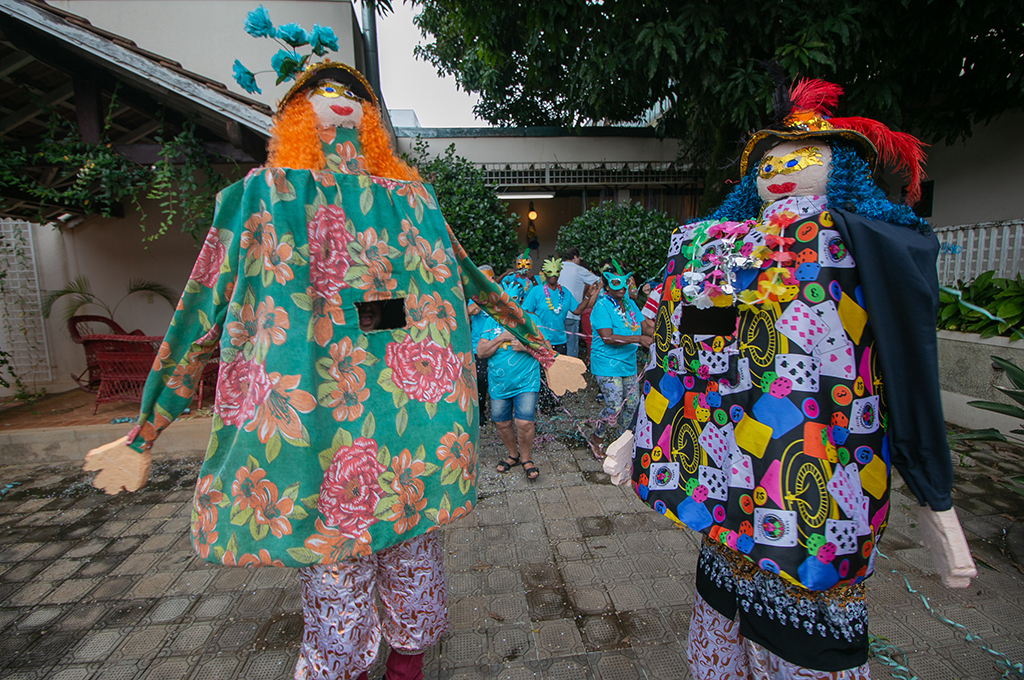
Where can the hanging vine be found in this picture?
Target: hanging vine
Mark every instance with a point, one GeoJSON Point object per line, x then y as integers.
{"type": "Point", "coordinates": [65, 171]}
{"type": "Point", "coordinates": [185, 184]}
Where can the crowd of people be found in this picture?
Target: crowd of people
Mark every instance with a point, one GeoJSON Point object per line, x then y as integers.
{"type": "Point", "coordinates": [594, 317]}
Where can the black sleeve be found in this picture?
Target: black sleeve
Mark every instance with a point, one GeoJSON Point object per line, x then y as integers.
{"type": "Point", "coordinates": [901, 292]}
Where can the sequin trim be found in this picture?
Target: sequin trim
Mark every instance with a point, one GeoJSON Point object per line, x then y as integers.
{"type": "Point", "coordinates": [839, 613]}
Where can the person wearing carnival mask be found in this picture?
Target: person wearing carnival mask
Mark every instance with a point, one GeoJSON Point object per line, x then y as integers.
{"type": "Point", "coordinates": [615, 338]}
{"type": "Point", "coordinates": [517, 282]}
{"type": "Point", "coordinates": [345, 421]}
{"type": "Point", "coordinates": [550, 303]}
{"type": "Point", "coordinates": [793, 363]}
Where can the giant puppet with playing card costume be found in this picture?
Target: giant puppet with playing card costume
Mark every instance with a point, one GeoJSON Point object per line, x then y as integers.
{"type": "Point", "coordinates": [793, 365]}
{"type": "Point", "coordinates": [345, 422]}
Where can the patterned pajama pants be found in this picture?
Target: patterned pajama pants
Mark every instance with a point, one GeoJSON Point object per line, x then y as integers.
{"type": "Point", "coordinates": [621, 399]}
{"type": "Point", "coordinates": [342, 626]}
{"type": "Point", "coordinates": [716, 650]}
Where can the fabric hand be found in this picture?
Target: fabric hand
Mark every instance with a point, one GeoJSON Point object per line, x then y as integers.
{"type": "Point", "coordinates": [618, 459]}
{"type": "Point", "coordinates": [119, 466]}
{"type": "Point", "coordinates": [566, 375]}
{"type": "Point", "coordinates": [942, 535]}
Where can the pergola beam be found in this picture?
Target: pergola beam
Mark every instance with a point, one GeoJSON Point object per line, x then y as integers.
{"type": "Point", "coordinates": [29, 112]}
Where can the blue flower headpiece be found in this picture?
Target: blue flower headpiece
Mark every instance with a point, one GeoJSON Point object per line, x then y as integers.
{"type": "Point", "coordinates": [286, 62]}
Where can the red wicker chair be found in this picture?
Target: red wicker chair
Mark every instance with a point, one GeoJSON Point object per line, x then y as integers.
{"type": "Point", "coordinates": [81, 326]}
{"type": "Point", "coordinates": [123, 364]}
{"type": "Point", "coordinates": [125, 361]}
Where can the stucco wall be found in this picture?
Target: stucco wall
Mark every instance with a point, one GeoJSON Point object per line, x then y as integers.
{"type": "Point", "coordinates": [980, 180]}
{"type": "Point", "coordinates": [966, 374]}
{"type": "Point", "coordinates": [109, 253]}
{"type": "Point", "coordinates": [206, 36]}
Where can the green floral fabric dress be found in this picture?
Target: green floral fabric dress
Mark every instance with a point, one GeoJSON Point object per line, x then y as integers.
{"type": "Point", "coordinates": [327, 442]}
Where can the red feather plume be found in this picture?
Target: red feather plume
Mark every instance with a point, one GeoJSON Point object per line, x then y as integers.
{"type": "Point", "coordinates": [897, 149]}
{"type": "Point", "coordinates": [815, 95]}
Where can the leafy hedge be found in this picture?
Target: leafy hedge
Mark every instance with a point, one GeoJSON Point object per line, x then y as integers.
{"type": "Point", "coordinates": [636, 237]}
{"type": "Point", "coordinates": [1003, 298]}
{"type": "Point", "coordinates": [474, 212]}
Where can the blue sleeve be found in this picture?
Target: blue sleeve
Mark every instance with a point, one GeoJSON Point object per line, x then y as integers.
{"type": "Point", "coordinates": [599, 317]}
{"type": "Point", "coordinates": [530, 301]}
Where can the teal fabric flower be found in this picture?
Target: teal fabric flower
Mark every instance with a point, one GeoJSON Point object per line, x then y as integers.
{"type": "Point", "coordinates": [322, 38]}
{"type": "Point", "coordinates": [292, 34]}
{"type": "Point", "coordinates": [286, 63]}
{"type": "Point", "coordinates": [245, 78]}
{"type": "Point", "coordinates": [258, 24]}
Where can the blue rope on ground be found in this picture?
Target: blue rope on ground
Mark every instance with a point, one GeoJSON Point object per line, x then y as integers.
{"type": "Point", "coordinates": [1009, 669]}
{"type": "Point", "coordinates": [884, 652]}
{"type": "Point", "coordinates": [1002, 661]}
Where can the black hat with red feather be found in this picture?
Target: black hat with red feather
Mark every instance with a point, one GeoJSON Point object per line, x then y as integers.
{"type": "Point", "coordinates": [805, 112]}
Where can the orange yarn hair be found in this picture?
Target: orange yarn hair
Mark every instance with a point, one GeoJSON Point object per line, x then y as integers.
{"type": "Point", "coordinates": [294, 142]}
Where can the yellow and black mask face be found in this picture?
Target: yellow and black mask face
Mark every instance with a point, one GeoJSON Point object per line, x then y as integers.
{"type": "Point", "coordinates": [796, 161]}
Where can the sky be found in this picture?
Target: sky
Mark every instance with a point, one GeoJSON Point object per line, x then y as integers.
{"type": "Point", "coordinates": [408, 83]}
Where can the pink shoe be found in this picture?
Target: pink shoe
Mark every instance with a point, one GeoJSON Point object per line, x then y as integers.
{"type": "Point", "coordinates": [403, 666]}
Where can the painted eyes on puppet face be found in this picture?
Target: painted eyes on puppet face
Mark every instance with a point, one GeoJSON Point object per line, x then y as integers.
{"type": "Point", "coordinates": [331, 91]}
{"type": "Point", "coordinates": [791, 162]}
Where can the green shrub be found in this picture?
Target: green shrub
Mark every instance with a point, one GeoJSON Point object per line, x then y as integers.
{"type": "Point", "coordinates": [472, 209]}
{"type": "Point", "coordinates": [636, 237]}
{"type": "Point", "coordinates": [1003, 298]}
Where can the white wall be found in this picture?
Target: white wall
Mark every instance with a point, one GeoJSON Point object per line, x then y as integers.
{"type": "Point", "coordinates": [206, 36]}
{"type": "Point", "coordinates": [578, 149]}
{"type": "Point", "coordinates": [982, 179]}
{"type": "Point", "coordinates": [109, 253]}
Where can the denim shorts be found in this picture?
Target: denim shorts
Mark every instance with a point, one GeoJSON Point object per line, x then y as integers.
{"type": "Point", "coordinates": [524, 404]}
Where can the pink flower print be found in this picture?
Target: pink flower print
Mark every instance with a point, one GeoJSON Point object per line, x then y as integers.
{"type": "Point", "coordinates": [328, 253]}
{"type": "Point", "coordinates": [207, 266]}
{"type": "Point", "coordinates": [350, 491]}
{"type": "Point", "coordinates": [424, 370]}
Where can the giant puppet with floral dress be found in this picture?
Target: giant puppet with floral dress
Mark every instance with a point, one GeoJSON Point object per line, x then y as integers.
{"type": "Point", "coordinates": [345, 422]}
{"type": "Point", "coordinates": [793, 364]}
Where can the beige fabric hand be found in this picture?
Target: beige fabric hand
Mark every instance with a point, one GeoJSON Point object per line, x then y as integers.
{"type": "Point", "coordinates": [942, 535]}
{"type": "Point", "coordinates": [618, 459]}
{"type": "Point", "coordinates": [566, 375]}
{"type": "Point", "coordinates": [120, 467]}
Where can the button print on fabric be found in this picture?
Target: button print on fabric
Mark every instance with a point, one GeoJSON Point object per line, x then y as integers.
{"type": "Point", "coordinates": [774, 430]}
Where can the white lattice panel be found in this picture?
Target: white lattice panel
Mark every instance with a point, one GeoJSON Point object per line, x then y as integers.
{"type": "Point", "coordinates": [968, 250]}
{"type": "Point", "coordinates": [22, 333]}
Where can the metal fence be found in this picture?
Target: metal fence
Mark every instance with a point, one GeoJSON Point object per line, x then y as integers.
{"type": "Point", "coordinates": [588, 174]}
{"type": "Point", "coordinates": [968, 250]}
{"type": "Point", "coordinates": [22, 332]}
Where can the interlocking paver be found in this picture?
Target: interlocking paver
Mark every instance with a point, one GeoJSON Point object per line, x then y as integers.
{"type": "Point", "coordinates": [568, 577]}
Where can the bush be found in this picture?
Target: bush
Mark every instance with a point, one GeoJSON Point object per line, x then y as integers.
{"type": "Point", "coordinates": [473, 210]}
{"type": "Point", "coordinates": [1003, 298]}
{"type": "Point", "coordinates": [636, 237]}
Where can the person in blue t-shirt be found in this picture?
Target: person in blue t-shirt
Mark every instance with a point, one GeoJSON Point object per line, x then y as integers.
{"type": "Point", "coordinates": [551, 303]}
{"type": "Point", "coordinates": [616, 334]}
{"type": "Point", "coordinates": [477, 320]}
{"type": "Point", "coordinates": [518, 282]}
{"type": "Point", "coordinates": [513, 377]}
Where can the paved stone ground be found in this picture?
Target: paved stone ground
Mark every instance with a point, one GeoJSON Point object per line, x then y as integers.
{"type": "Point", "coordinates": [567, 577]}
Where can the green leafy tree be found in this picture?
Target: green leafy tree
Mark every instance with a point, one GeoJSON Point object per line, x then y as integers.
{"type": "Point", "coordinates": [636, 237]}
{"type": "Point", "coordinates": [472, 209]}
{"type": "Point", "coordinates": [935, 67]}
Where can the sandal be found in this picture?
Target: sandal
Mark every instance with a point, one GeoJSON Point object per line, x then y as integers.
{"type": "Point", "coordinates": [532, 472]}
{"type": "Point", "coordinates": [507, 464]}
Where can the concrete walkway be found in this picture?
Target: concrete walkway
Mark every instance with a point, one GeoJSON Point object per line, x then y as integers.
{"type": "Point", "coordinates": [567, 577]}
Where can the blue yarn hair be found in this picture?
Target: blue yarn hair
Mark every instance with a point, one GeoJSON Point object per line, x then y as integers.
{"type": "Point", "coordinates": [850, 188]}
